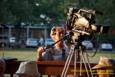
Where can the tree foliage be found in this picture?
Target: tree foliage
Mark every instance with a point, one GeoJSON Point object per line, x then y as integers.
{"type": "Point", "coordinates": [17, 11]}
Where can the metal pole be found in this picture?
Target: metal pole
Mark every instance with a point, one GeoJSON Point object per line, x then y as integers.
{"type": "Point", "coordinates": [45, 35]}
{"type": "Point", "coordinates": [27, 32]}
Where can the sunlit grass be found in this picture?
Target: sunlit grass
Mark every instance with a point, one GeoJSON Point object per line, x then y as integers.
{"type": "Point", "coordinates": [96, 58]}
{"type": "Point", "coordinates": [30, 54]}
{"type": "Point", "coordinates": [20, 54]}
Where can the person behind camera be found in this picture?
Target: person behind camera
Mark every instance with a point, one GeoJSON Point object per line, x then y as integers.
{"type": "Point", "coordinates": [59, 51]}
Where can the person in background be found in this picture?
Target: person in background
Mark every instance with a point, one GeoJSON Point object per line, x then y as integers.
{"type": "Point", "coordinates": [41, 41]}
{"type": "Point", "coordinates": [57, 52]}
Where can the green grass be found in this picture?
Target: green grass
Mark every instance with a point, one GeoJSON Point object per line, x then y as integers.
{"type": "Point", "coordinates": [96, 58]}
{"type": "Point", "coordinates": [30, 54]}
{"type": "Point", "coordinates": [21, 54]}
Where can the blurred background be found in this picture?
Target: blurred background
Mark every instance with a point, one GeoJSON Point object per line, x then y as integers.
{"type": "Point", "coordinates": [25, 24]}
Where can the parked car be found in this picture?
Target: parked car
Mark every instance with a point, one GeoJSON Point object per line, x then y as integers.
{"type": "Point", "coordinates": [106, 46]}
{"type": "Point", "coordinates": [88, 44]}
{"type": "Point", "coordinates": [12, 42]}
{"type": "Point", "coordinates": [12, 39]}
{"type": "Point", "coordinates": [32, 42]}
{"type": "Point", "coordinates": [48, 41]}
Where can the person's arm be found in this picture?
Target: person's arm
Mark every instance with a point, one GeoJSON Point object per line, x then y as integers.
{"type": "Point", "coordinates": [40, 51]}
{"type": "Point", "coordinates": [44, 54]}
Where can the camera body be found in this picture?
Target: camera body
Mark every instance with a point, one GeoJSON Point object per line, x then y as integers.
{"type": "Point", "coordinates": [81, 23]}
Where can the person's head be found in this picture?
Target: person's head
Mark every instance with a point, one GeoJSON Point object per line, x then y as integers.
{"type": "Point", "coordinates": [104, 67]}
{"type": "Point", "coordinates": [28, 69]}
{"type": "Point", "coordinates": [57, 33]}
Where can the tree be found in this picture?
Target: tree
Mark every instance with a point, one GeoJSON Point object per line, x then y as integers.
{"type": "Point", "coordinates": [16, 11]}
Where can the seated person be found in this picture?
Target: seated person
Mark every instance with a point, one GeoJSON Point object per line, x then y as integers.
{"type": "Point", "coordinates": [59, 51]}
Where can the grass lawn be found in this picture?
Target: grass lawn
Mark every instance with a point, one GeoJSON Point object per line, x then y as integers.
{"type": "Point", "coordinates": [20, 54]}
{"type": "Point", "coordinates": [30, 54]}
{"type": "Point", "coordinates": [96, 58]}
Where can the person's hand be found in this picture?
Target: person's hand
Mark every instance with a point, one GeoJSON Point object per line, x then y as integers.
{"type": "Point", "coordinates": [50, 49]}
{"type": "Point", "coordinates": [40, 50]}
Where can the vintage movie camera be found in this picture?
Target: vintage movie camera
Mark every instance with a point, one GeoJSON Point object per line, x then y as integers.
{"type": "Point", "coordinates": [82, 22]}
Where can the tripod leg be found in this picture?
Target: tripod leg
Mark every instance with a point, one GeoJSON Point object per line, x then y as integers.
{"type": "Point", "coordinates": [80, 68]}
{"type": "Point", "coordinates": [88, 64]}
{"type": "Point", "coordinates": [78, 55]}
{"type": "Point", "coordinates": [67, 63]}
{"type": "Point", "coordinates": [75, 61]}
{"type": "Point", "coordinates": [83, 58]}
